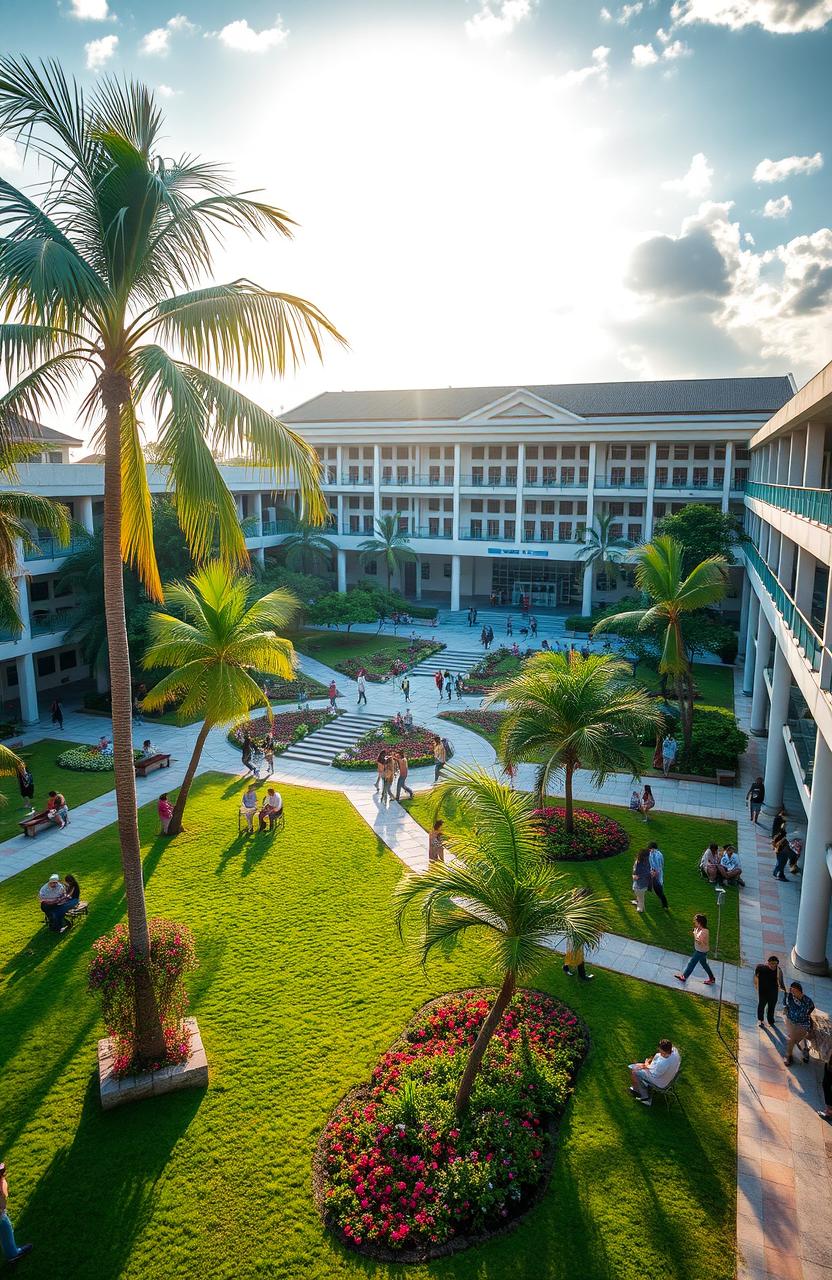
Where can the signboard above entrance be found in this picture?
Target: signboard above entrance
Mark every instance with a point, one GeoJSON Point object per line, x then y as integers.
{"type": "Point", "coordinates": [518, 551]}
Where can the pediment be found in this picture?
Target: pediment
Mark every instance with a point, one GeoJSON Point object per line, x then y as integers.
{"type": "Point", "coordinates": [524, 406]}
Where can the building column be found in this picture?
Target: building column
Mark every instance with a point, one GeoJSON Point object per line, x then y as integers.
{"type": "Point", "coordinates": [586, 590]}
{"type": "Point", "coordinates": [809, 951]}
{"type": "Point", "coordinates": [651, 491]}
{"type": "Point", "coordinates": [804, 583]}
{"type": "Point", "coordinates": [781, 679]}
{"type": "Point", "coordinates": [797, 457]}
{"type": "Point", "coordinates": [518, 495]}
{"type": "Point", "coordinates": [745, 603]}
{"type": "Point", "coordinates": [376, 483]}
{"type": "Point", "coordinates": [759, 700]}
{"type": "Point", "coordinates": [259, 554]}
{"type": "Point", "coordinates": [455, 570]}
{"type": "Point", "coordinates": [341, 556]}
{"type": "Point", "coordinates": [339, 464]}
{"type": "Point", "coordinates": [339, 501]}
{"type": "Point", "coordinates": [27, 689]}
{"type": "Point", "coordinates": [83, 509]}
{"type": "Point", "coordinates": [751, 623]}
{"type": "Point", "coordinates": [728, 478]}
{"type": "Point", "coordinates": [457, 465]}
{"type": "Point", "coordinates": [257, 512]}
{"type": "Point", "coordinates": [813, 466]}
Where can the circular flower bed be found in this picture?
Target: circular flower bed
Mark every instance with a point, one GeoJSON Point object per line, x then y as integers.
{"type": "Point", "coordinates": [89, 760]}
{"type": "Point", "coordinates": [286, 728]}
{"type": "Point", "coordinates": [594, 836]}
{"type": "Point", "coordinates": [384, 665]}
{"type": "Point", "coordinates": [399, 1176]}
{"type": "Point", "coordinates": [416, 743]}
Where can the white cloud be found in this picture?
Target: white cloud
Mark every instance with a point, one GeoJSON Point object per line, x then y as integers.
{"type": "Point", "coordinates": [777, 170]}
{"type": "Point", "coordinates": [90, 10]}
{"type": "Point", "coordinates": [625, 13]}
{"type": "Point", "coordinates": [165, 91]}
{"type": "Point", "coordinates": [157, 42]}
{"type": "Point", "coordinates": [779, 208]}
{"type": "Point", "coordinates": [605, 15]}
{"type": "Point", "coordinates": [244, 39]}
{"type": "Point", "coordinates": [597, 70]}
{"type": "Point", "coordinates": [676, 49]}
{"type": "Point", "coordinates": [10, 157]}
{"type": "Point", "coordinates": [495, 21]}
{"type": "Point", "coordinates": [748, 238]}
{"type": "Point", "coordinates": [781, 17]}
{"type": "Point", "coordinates": [696, 182]}
{"type": "Point", "coordinates": [644, 55]}
{"type": "Point", "coordinates": [99, 52]}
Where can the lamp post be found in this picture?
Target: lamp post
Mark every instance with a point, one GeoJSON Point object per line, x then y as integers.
{"type": "Point", "coordinates": [720, 898]}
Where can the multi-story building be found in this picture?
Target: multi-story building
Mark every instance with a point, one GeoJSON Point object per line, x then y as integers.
{"type": "Point", "coordinates": [496, 486]}
{"type": "Point", "coordinates": [788, 649]}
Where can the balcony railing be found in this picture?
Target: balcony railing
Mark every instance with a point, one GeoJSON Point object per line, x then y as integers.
{"type": "Point", "coordinates": [485, 482]}
{"type": "Point", "coordinates": [411, 480]}
{"type": "Point", "coordinates": [46, 622]}
{"type": "Point", "coordinates": [620, 482]}
{"type": "Point", "coordinates": [812, 504]}
{"type": "Point", "coordinates": [49, 548]}
{"type": "Point", "coordinates": [346, 478]}
{"type": "Point", "coordinates": [706, 486]}
{"type": "Point", "coordinates": [556, 484]}
{"type": "Point", "coordinates": [802, 630]}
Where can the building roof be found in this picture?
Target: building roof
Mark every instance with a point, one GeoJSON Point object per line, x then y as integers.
{"type": "Point", "coordinates": [586, 399]}
{"type": "Point", "coordinates": [38, 433]}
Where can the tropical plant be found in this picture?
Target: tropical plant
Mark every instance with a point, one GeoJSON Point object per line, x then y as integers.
{"type": "Point", "coordinates": [673, 595]}
{"type": "Point", "coordinates": [337, 609]}
{"type": "Point", "coordinates": [97, 272]}
{"type": "Point", "coordinates": [305, 548]}
{"type": "Point", "coordinates": [603, 550]}
{"type": "Point", "coordinates": [19, 511]}
{"type": "Point", "coordinates": [563, 711]}
{"type": "Point", "coordinates": [702, 530]}
{"type": "Point", "coordinates": [496, 884]}
{"type": "Point", "coordinates": [390, 545]}
{"type": "Point", "coordinates": [214, 638]}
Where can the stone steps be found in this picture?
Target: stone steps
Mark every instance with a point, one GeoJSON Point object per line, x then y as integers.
{"type": "Point", "coordinates": [323, 745]}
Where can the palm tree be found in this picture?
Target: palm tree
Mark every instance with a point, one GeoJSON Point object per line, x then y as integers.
{"type": "Point", "coordinates": [498, 885]}
{"type": "Point", "coordinates": [390, 543]}
{"type": "Point", "coordinates": [305, 546]}
{"type": "Point", "coordinates": [672, 596]}
{"type": "Point", "coordinates": [568, 712]}
{"type": "Point", "coordinates": [602, 549]}
{"type": "Point", "coordinates": [217, 638]}
{"type": "Point", "coordinates": [19, 511]}
{"type": "Point", "coordinates": [95, 277]}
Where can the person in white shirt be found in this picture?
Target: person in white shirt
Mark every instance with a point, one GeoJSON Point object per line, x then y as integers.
{"type": "Point", "coordinates": [656, 1071]}
{"type": "Point", "coordinates": [271, 810]}
{"type": "Point", "coordinates": [730, 868]}
{"type": "Point", "coordinates": [709, 863]}
{"type": "Point", "coordinates": [362, 689]}
{"type": "Point", "coordinates": [51, 894]}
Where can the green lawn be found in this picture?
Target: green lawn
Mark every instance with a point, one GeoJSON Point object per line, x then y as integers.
{"type": "Point", "coordinates": [682, 839]}
{"type": "Point", "coordinates": [470, 718]}
{"type": "Point", "coordinates": [76, 786]}
{"type": "Point", "coordinates": [714, 685]}
{"type": "Point", "coordinates": [303, 982]}
{"type": "Point", "coordinates": [330, 647]}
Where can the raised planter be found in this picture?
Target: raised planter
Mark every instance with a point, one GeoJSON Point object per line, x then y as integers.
{"type": "Point", "coordinates": [114, 1092]}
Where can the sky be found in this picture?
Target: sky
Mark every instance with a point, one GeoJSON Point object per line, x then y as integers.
{"type": "Point", "coordinates": [502, 191]}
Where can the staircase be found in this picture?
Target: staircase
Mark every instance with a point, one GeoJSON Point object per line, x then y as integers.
{"type": "Point", "coordinates": [453, 660]}
{"type": "Point", "coordinates": [322, 745]}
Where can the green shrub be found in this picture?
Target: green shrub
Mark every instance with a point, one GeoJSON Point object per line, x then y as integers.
{"type": "Point", "coordinates": [716, 742]}
{"type": "Point", "coordinates": [576, 622]}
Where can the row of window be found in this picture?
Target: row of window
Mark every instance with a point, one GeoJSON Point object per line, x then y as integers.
{"type": "Point", "coordinates": [510, 452]}
{"type": "Point", "coordinates": [636, 476]}
{"type": "Point", "coordinates": [45, 665]}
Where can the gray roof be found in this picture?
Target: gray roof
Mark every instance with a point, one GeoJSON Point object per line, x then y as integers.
{"type": "Point", "coordinates": [38, 433]}
{"type": "Point", "coordinates": [586, 399]}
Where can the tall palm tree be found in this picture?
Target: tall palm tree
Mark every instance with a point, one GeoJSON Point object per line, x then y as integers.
{"type": "Point", "coordinates": [672, 596]}
{"type": "Point", "coordinates": [19, 511]}
{"type": "Point", "coordinates": [216, 636]}
{"type": "Point", "coordinates": [390, 544]}
{"type": "Point", "coordinates": [305, 548]}
{"type": "Point", "coordinates": [568, 712]}
{"type": "Point", "coordinates": [96, 274]}
{"type": "Point", "coordinates": [601, 549]}
{"type": "Point", "coordinates": [498, 885]}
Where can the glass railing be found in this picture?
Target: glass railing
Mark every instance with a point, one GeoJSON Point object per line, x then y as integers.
{"type": "Point", "coordinates": [346, 478]}
{"type": "Point", "coordinates": [803, 732]}
{"type": "Point", "coordinates": [49, 548]}
{"type": "Point", "coordinates": [477, 535]}
{"type": "Point", "coordinates": [46, 622]}
{"type": "Point", "coordinates": [707, 486]}
{"type": "Point", "coordinates": [812, 504]}
{"type": "Point", "coordinates": [620, 482]}
{"type": "Point", "coordinates": [556, 484]}
{"type": "Point", "coordinates": [484, 482]}
{"type": "Point", "coordinates": [425, 531]}
{"type": "Point", "coordinates": [802, 630]}
{"type": "Point", "coordinates": [535, 537]}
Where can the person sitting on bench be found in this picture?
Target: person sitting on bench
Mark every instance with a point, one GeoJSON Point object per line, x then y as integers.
{"type": "Point", "coordinates": [105, 746]}
{"type": "Point", "coordinates": [57, 810]}
{"type": "Point", "coordinates": [250, 804]}
{"type": "Point", "coordinates": [71, 898]}
{"type": "Point", "coordinates": [659, 1070]}
{"type": "Point", "coordinates": [271, 810]}
{"type": "Point", "coordinates": [56, 898]}
{"type": "Point", "coordinates": [148, 750]}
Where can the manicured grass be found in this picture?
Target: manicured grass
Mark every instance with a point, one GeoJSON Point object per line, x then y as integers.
{"type": "Point", "coordinates": [714, 685]}
{"type": "Point", "coordinates": [473, 720]}
{"type": "Point", "coordinates": [78, 787]}
{"type": "Point", "coordinates": [303, 983]}
{"type": "Point", "coordinates": [330, 647]}
{"type": "Point", "coordinates": [682, 840]}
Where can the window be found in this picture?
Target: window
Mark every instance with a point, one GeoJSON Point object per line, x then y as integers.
{"type": "Point", "coordinates": [67, 660]}
{"type": "Point", "coordinates": [354, 526]}
{"type": "Point", "coordinates": [584, 452]}
{"type": "Point", "coordinates": [433, 527]}
{"type": "Point", "coordinates": [566, 508]}
{"type": "Point", "coordinates": [700, 477]}
{"type": "Point", "coordinates": [495, 475]}
{"type": "Point", "coordinates": [565, 531]}
{"type": "Point", "coordinates": [636, 509]}
{"type": "Point", "coordinates": [493, 527]}
{"type": "Point", "coordinates": [371, 568]}
{"type": "Point", "coordinates": [638, 453]}
{"type": "Point", "coordinates": [402, 475]}
{"type": "Point", "coordinates": [740, 477]}
{"type": "Point", "coordinates": [680, 477]}
{"type": "Point", "coordinates": [386, 475]}
{"type": "Point", "coordinates": [353, 503]}
{"type": "Point", "coordinates": [511, 475]}
{"type": "Point", "coordinates": [369, 524]}
{"type": "Point", "coordinates": [531, 475]}
{"type": "Point", "coordinates": [616, 509]}
{"type": "Point", "coordinates": [434, 451]}
{"type": "Point", "coordinates": [495, 451]}
{"type": "Point", "coordinates": [663, 452]}
{"type": "Point", "coordinates": [680, 452]}
{"type": "Point", "coordinates": [616, 530]}
{"type": "Point", "coordinates": [478, 451]}
{"type": "Point", "coordinates": [549, 452]}
{"type": "Point", "coordinates": [530, 507]}
{"type": "Point", "coordinates": [448, 526]}
{"type": "Point", "coordinates": [368, 475]}
{"type": "Point", "coordinates": [531, 450]}
{"type": "Point", "coordinates": [637, 475]}
{"type": "Point", "coordinates": [567, 475]}
{"type": "Point", "coordinates": [386, 452]}
{"type": "Point", "coordinates": [547, 531]}
{"type": "Point", "coordinates": [39, 590]}
{"type": "Point", "coordinates": [402, 451]}
{"type": "Point", "coordinates": [510, 506]}
{"type": "Point", "coordinates": [352, 475]}
{"type": "Point", "coordinates": [508, 529]}
{"type": "Point", "coordinates": [659, 509]}
{"type": "Point", "coordinates": [387, 504]}
{"type": "Point", "coordinates": [476, 475]}
{"type": "Point", "coordinates": [46, 665]}
{"type": "Point", "coordinates": [719, 477]}
{"type": "Point", "coordinates": [433, 475]}
{"type": "Point", "coordinates": [618, 475]}
{"type": "Point", "coordinates": [54, 457]}
{"type": "Point", "coordinates": [476, 504]}
{"type": "Point", "coordinates": [492, 505]}
{"type": "Point", "coordinates": [583, 475]}
{"type": "Point", "coordinates": [446, 569]}
{"type": "Point", "coordinates": [425, 566]}
{"type": "Point", "coordinates": [618, 451]}
{"type": "Point", "coordinates": [741, 454]}
{"type": "Point", "coordinates": [634, 532]}
{"type": "Point", "coordinates": [476, 528]}
{"type": "Point", "coordinates": [352, 453]}
{"type": "Point", "coordinates": [511, 452]}
{"type": "Point", "coordinates": [567, 451]}
{"type": "Point", "coordinates": [581, 508]}
{"type": "Point", "coordinates": [528, 530]}
{"type": "Point", "coordinates": [449, 475]}
{"type": "Point", "coordinates": [550, 475]}
{"type": "Point", "coordinates": [719, 452]}
{"type": "Point", "coordinates": [661, 476]}
{"type": "Point", "coordinates": [701, 452]}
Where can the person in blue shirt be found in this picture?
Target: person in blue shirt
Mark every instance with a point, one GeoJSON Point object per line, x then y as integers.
{"type": "Point", "coordinates": [657, 872]}
{"type": "Point", "coordinates": [799, 1009]}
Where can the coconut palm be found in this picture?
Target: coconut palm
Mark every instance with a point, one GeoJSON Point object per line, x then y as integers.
{"type": "Point", "coordinates": [19, 512]}
{"type": "Point", "coordinates": [498, 885]}
{"type": "Point", "coordinates": [390, 545]}
{"type": "Point", "coordinates": [567, 712]}
{"type": "Point", "coordinates": [305, 548]}
{"type": "Point", "coordinates": [601, 549]}
{"type": "Point", "coordinates": [216, 636]}
{"type": "Point", "coordinates": [673, 596]}
{"type": "Point", "coordinates": [98, 272]}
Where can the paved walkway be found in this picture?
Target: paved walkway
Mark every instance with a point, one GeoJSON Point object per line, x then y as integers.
{"type": "Point", "coordinates": [784, 1161]}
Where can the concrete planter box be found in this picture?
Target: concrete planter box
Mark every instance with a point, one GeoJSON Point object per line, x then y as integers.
{"type": "Point", "coordinates": [192, 1074]}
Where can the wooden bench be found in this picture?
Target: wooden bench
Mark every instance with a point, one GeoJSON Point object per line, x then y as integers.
{"type": "Point", "coordinates": [159, 761]}
{"type": "Point", "coordinates": [725, 778]}
{"type": "Point", "coordinates": [82, 909]}
{"type": "Point", "coordinates": [35, 823]}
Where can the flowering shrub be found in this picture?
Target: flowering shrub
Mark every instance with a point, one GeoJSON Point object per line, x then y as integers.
{"type": "Point", "coordinates": [89, 760]}
{"type": "Point", "coordinates": [416, 743]}
{"type": "Point", "coordinates": [594, 836]}
{"type": "Point", "coordinates": [399, 1175]}
{"type": "Point", "coordinates": [286, 728]}
{"type": "Point", "coordinates": [485, 722]}
{"type": "Point", "coordinates": [384, 665]}
{"type": "Point", "coordinates": [112, 973]}
{"type": "Point", "coordinates": [495, 665]}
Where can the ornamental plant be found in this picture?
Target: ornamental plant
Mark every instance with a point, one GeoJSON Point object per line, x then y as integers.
{"type": "Point", "coordinates": [592, 836]}
{"type": "Point", "coordinates": [284, 728]}
{"type": "Point", "coordinates": [416, 743]}
{"type": "Point", "coordinates": [88, 760]}
{"type": "Point", "coordinates": [114, 970]}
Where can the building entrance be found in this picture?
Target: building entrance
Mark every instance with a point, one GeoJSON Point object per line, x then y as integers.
{"type": "Point", "coordinates": [546, 583]}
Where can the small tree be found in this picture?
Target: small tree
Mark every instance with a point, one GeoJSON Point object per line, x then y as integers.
{"type": "Point", "coordinates": [702, 531]}
{"type": "Point", "coordinates": [497, 885]}
{"type": "Point", "coordinates": [340, 610]}
{"type": "Point", "coordinates": [390, 545]}
{"type": "Point", "coordinates": [602, 550]}
{"type": "Point", "coordinates": [305, 548]}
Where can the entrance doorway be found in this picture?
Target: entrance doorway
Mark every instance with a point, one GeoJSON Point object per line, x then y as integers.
{"type": "Point", "coordinates": [547, 583]}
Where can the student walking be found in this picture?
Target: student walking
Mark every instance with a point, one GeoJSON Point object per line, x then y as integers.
{"type": "Point", "coordinates": [57, 714]}
{"type": "Point", "coordinates": [438, 680]}
{"type": "Point", "coordinates": [333, 694]}
{"type": "Point", "coordinates": [490, 637]}
{"type": "Point", "coordinates": [401, 783]}
{"type": "Point", "coordinates": [533, 625]}
{"type": "Point", "coordinates": [436, 846]}
{"type": "Point", "coordinates": [798, 1009]}
{"type": "Point", "coordinates": [768, 979]}
{"type": "Point", "coordinates": [362, 689]}
{"type": "Point", "coordinates": [246, 753]}
{"type": "Point", "coordinates": [449, 686]}
{"type": "Point", "coordinates": [484, 637]}
{"type": "Point", "coordinates": [380, 759]}
{"type": "Point", "coordinates": [642, 877]}
{"type": "Point", "coordinates": [701, 945]}
{"type": "Point", "coordinates": [459, 686]}
{"type": "Point", "coordinates": [755, 795]}
{"type": "Point", "coordinates": [509, 625]}
{"type": "Point", "coordinates": [406, 688]}
{"type": "Point", "coordinates": [440, 756]}
{"type": "Point", "coordinates": [387, 776]}
{"type": "Point", "coordinates": [670, 750]}
{"type": "Point", "coordinates": [573, 959]}
{"type": "Point", "coordinates": [656, 858]}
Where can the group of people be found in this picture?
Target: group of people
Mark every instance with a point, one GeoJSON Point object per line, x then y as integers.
{"type": "Point", "coordinates": [56, 898]}
{"type": "Point", "coordinates": [392, 766]}
{"type": "Point", "coordinates": [403, 723]}
{"type": "Point", "coordinates": [268, 812]}
{"type": "Point", "coordinates": [450, 685]}
{"type": "Point", "coordinates": [721, 866]}
{"type": "Point", "coordinates": [56, 810]}
{"type": "Point", "coordinates": [648, 876]}
{"type": "Point", "coordinates": [487, 636]}
{"type": "Point", "coordinates": [254, 754]}
{"type": "Point", "coordinates": [643, 802]}
{"type": "Point", "coordinates": [529, 627]}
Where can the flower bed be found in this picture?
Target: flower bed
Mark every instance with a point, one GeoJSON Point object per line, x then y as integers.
{"type": "Point", "coordinates": [399, 1176]}
{"type": "Point", "coordinates": [384, 665]}
{"type": "Point", "coordinates": [416, 743]}
{"type": "Point", "coordinates": [285, 728]}
{"type": "Point", "coordinates": [595, 836]}
{"type": "Point", "coordinates": [495, 666]}
{"type": "Point", "coordinates": [89, 760]}
{"type": "Point", "coordinates": [486, 723]}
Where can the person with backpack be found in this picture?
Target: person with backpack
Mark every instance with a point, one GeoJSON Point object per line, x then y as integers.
{"type": "Point", "coordinates": [459, 686]}
{"type": "Point", "coordinates": [406, 687]}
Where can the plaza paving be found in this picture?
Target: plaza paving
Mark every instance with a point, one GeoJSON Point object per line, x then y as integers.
{"type": "Point", "coordinates": [784, 1174]}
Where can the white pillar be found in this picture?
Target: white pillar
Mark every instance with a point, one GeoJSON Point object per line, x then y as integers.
{"type": "Point", "coordinates": [376, 482]}
{"type": "Point", "coordinates": [83, 513]}
{"type": "Point", "coordinates": [781, 680]}
{"type": "Point", "coordinates": [27, 688]}
{"type": "Point", "coordinates": [259, 554]}
{"type": "Point", "coordinates": [586, 588]}
{"type": "Point", "coordinates": [797, 456]}
{"type": "Point", "coordinates": [339, 464]}
{"type": "Point", "coordinates": [455, 568]}
{"type": "Point", "coordinates": [728, 478]}
{"type": "Point", "coordinates": [257, 512]}
{"type": "Point", "coordinates": [518, 496]}
{"type": "Point", "coordinates": [457, 465]}
{"type": "Point", "coordinates": [342, 569]}
{"type": "Point", "coordinates": [759, 700]}
{"type": "Point", "coordinates": [590, 492]}
{"type": "Point", "coordinates": [745, 603]}
{"type": "Point", "coordinates": [809, 952]}
{"type": "Point", "coordinates": [651, 491]}
{"type": "Point", "coordinates": [813, 466]}
{"type": "Point", "coordinates": [751, 624]}
{"type": "Point", "coordinates": [804, 583]}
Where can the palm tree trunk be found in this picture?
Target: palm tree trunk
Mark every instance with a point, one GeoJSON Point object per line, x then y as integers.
{"type": "Point", "coordinates": [684, 717]}
{"type": "Point", "coordinates": [469, 1075]}
{"type": "Point", "coordinates": [149, 1041]}
{"type": "Point", "coordinates": [175, 825]}
{"type": "Point", "coordinates": [567, 792]}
